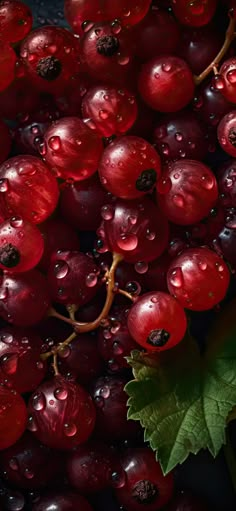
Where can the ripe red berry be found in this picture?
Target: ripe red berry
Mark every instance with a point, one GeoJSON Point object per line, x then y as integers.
{"type": "Point", "coordinates": [157, 321]}
{"type": "Point", "coordinates": [7, 64]}
{"type": "Point", "coordinates": [194, 14]}
{"type": "Point", "coordinates": [198, 278]}
{"type": "Point", "coordinates": [12, 417]}
{"type": "Point", "coordinates": [15, 20]}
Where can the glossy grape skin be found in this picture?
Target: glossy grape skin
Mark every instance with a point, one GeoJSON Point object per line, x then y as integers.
{"type": "Point", "coordinates": [21, 245]}
{"type": "Point", "coordinates": [186, 501]}
{"type": "Point", "coordinates": [7, 64]}
{"type": "Point", "coordinates": [15, 20]}
{"type": "Point", "coordinates": [74, 201]}
{"type": "Point", "coordinates": [137, 167]}
{"type": "Point", "coordinates": [55, 57]}
{"type": "Point", "coordinates": [22, 463]}
{"type": "Point", "coordinates": [199, 46]}
{"type": "Point", "coordinates": [197, 15]}
{"type": "Point", "coordinates": [24, 298]}
{"type": "Point", "coordinates": [89, 467]}
{"type": "Point", "coordinates": [62, 501]}
{"type": "Point", "coordinates": [225, 241]}
{"type": "Point", "coordinates": [157, 321]}
{"type": "Point", "coordinates": [81, 359]}
{"type": "Point", "coordinates": [227, 75]}
{"type": "Point", "coordinates": [72, 278]}
{"type": "Point", "coordinates": [187, 191]}
{"type": "Point", "coordinates": [62, 414]}
{"type": "Point", "coordinates": [79, 11]}
{"type": "Point", "coordinates": [57, 235]}
{"type": "Point", "coordinates": [151, 33]}
{"type": "Point", "coordinates": [113, 65]}
{"type": "Point", "coordinates": [113, 111]}
{"type": "Point", "coordinates": [226, 178]}
{"type": "Point", "coordinates": [110, 400]}
{"type": "Point", "coordinates": [166, 83]}
{"type": "Point", "coordinates": [135, 229]}
{"type": "Point", "coordinates": [20, 365]}
{"type": "Point", "coordinates": [5, 141]}
{"type": "Point", "coordinates": [18, 99]}
{"type": "Point", "coordinates": [72, 148]}
{"type": "Point", "coordinates": [210, 104]}
{"type": "Point", "coordinates": [181, 135]}
{"type": "Point", "coordinates": [28, 189]}
{"type": "Point", "coordinates": [226, 133]}
{"type": "Point", "coordinates": [13, 415]}
{"type": "Point", "coordinates": [198, 278]}
{"type": "Point", "coordinates": [140, 466]}
{"type": "Point", "coordinates": [28, 135]}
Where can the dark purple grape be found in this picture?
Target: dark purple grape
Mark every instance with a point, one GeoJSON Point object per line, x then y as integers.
{"type": "Point", "coordinates": [57, 235]}
{"type": "Point", "coordinates": [210, 104]}
{"type": "Point", "coordinates": [81, 359]}
{"type": "Point", "coordinates": [199, 46]}
{"type": "Point", "coordinates": [62, 501]}
{"type": "Point", "coordinates": [226, 177]}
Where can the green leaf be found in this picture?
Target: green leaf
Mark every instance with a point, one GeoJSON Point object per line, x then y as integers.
{"type": "Point", "coordinates": [183, 400]}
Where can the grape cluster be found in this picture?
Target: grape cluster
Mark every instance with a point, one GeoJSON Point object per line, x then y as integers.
{"type": "Point", "coordinates": [117, 220]}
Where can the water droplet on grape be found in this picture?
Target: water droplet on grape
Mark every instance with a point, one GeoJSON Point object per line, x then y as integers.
{"type": "Point", "coordinates": [154, 299]}
{"type": "Point", "coordinates": [176, 277]}
{"type": "Point", "coordinates": [164, 186]}
{"type": "Point", "coordinates": [178, 136]}
{"type": "Point", "coordinates": [104, 392]}
{"type": "Point", "coordinates": [16, 221]}
{"type": "Point", "coordinates": [166, 67]}
{"type": "Point", "coordinates": [99, 401]}
{"type": "Point", "coordinates": [231, 76]}
{"type": "Point", "coordinates": [150, 235]}
{"type": "Point", "coordinates": [118, 479]}
{"type": "Point", "coordinates": [55, 143]}
{"type": "Point", "coordinates": [117, 348]}
{"type": "Point", "coordinates": [6, 338]}
{"type": "Point", "coordinates": [127, 241]}
{"type": "Point", "coordinates": [4, 185]}
{"type": "Point", "coordinates": [218, 82]}
{"type": "Point", "coordinates": [207, 182]}
{"type": "Point", "coordinates": [14, 501]}
{"type": "Point", "coordinates": [123, 60]}
{"type": "Point", "coordinates": [141, 267]}
{"type": "Point", "coordinates": [70, 429]}
{"type": "Point", "coordinates": [107, 212]}
{"type": "Point", "coordinates": [178, 200]}
{"type": "Point", "coordinates": [39, 401]}
{"type": "Point", "coordinates": [28, 473]}
{"type": "Point", "coordinates": [197, 7]}
{"type": "Point", "coordinates": [202, 265]}
{"type": "Point", "coordinates": [61, 394]}
{"type": "Point", "coordinates": [103, 114]}
{"type": "Point", "coordinates": [64, 352]}
{"type": "Point", "coordinates": [13, 464]}
{"type": "Point", "coordinates": [9, 363]}
{"type": "Point", "coordinates": [32, 426]}
{"type": "Point", "coordinates": [27, 170]}
{"type": "Point", "coordinates": [61, 269]}
{"type": "Point", "coordinates": [91, 280]}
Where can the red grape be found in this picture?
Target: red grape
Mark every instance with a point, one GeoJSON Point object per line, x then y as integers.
{"type": "Point", "coordinates": [166, 83]}
{"type": "Point", "coordinates": [20, 365]}
{"type": "Point", "coordinates": [226, 178]}
{"type": "Point", "coordinates": [62, 414]}
{"type": "Point", "coordinates": [62, 501]}
{"type": "Point", "coordinates": [196, 13]}
{"type": "Point", "coordinates": [137, 167]}
{"type": "Point", "coordinates": [187, 191]}
{"type": "Point", "coordinates": [198, 278]}
{"type": "Point", "coordinates": [157, 321]}
{"type": "Point", "coordinates": [24, 298]}
{"type": "Point", "coordinates": [13, 415]}
{"type": "Point", "coordinates": [226, 133]}
{"type": "Point", "coordinates": [81, 359]}
{"type": "Point", "coordinates": [27, 188]}
{"type": "Point", "coordinates": [72, 148]}
{"type": "Point", "coordinates": [227, 79]}
{"type": "Point", "coordinates": [199, 46]}
{"type": "Point", "coordinates": [210, 103]}
{"type": "Point", "coordinates": [15, 20]}
{"type": "Point", "coordinates": [21, 245]}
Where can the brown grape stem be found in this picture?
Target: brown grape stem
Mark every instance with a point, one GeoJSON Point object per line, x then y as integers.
{"type": "Point", "coordinates": [54, 365]}
{"type": "Point", "coordinates": [229, 37]}
{"type": "Point", "coordinates": [71, 309]}
{"type": "Point", "coordinates": [128, 295]}
{"type": "Point", "coordinates": [88, 327]}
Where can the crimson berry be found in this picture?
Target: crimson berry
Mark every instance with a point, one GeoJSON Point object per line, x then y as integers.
{"type": "Point", "coordinates": [72, 148]}
{"type": "Point", "coordinates": [66, 404]}
{"type": "Point", "coordinates": [144, 486]}
{"type": "Point", "coordinates": [20, 365]}
{"type": "Point", "coordinates": [226, 178]}
{"type": "Point", "coordinates": [195, 14]}
{"type": "Point", "coordinates": [135, 229]}
{"type": "Point", "coordinates": [227, 79]}
{"type": "Point", "coordinates": [199, 46]}
{"type": "Point", "coordinates": [15, 20]}
{"type": "Point", "coordinates": [198, 278]}
{"type": "Point", "coordinates": [166, 83]}
{"type": "Point", "coordinates": [210, 104]}
{"type": "Point", "coordinates": [137, 167]}
{"type": "Point", "coordinates": [50, 55]}
{"type": "Point", "coordinates": [187, 191]}
{"type": "Point", "coordinates": [181, 135]}
{"type": "Point", "coordinates": [107, 53]}
{"type": "Point", "coordinates": [157, 321]}
{"type": "Point", "coordinates": [27, 188]}
{"type": "Point", "coordinates": [112, 111]}
{"type": "Point", "coordinates": [226, 133]}
{"type": "Point", "coordinates": [22, 463]}
{"type": "Point", "coordinates": [81, 359]}
{"type": "Point", "coordinates": [89, 467]}
{"type": "Point", "coordinates": [21, 245]}
{"type": "Point", "coordinates": [12, 417]}
{"type": "Point", "coordinates": [24, 298]}
{"type": "Point", "coordinates": [72, 277]}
